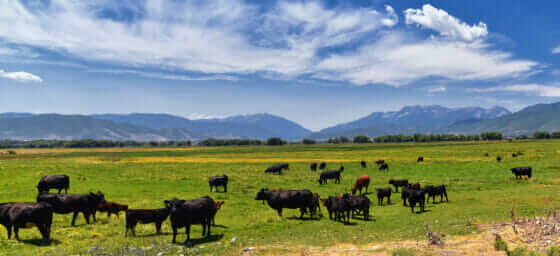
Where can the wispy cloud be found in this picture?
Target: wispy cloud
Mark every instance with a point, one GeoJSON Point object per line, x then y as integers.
{"type": "Point", "coordinates": [166, 76]}
{"type": "Point", "coordinates": [438, 89]}
{"type": "Point", "coordinates": [535, 89]}
{"type": "Point", "coordinates": [20, 76]}
{"type": "Point", "coordinates": [556, 50]}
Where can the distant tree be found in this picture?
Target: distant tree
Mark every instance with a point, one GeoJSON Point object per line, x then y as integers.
{"type": "Point", "coordinates": [308, 141]}
{"type": "Point", "coordinates": [555, 135]}
{"type": "Point", "coordinates": [344, 139]}
{"type": "Point", "coordinates": [362, 139]}
{"type": "Point", "coordinates": [491, 136]}
{"type": "Point", "coordinates": [275, 141]}
{"type": "Point", "coordinates": [541, 135]}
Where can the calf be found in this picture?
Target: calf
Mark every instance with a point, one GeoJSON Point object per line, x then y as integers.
{"type": "Point", "coordinates": [416, 197]}
{"type": "Point", "coordinates": [380, 162]}
{"type": "Point", "coordinates": [519, 172]}
{"type": "Point", "coordinates": [359, 205]}
{"type": "Point", "coordinates": [339, 207]}
{"type": "Point", "coordinates": [27, 215]}
{"type": "Point", "coordinates": [217, 207]}
{"type": "Point", "coordinates": [291, 199]}
{"type": "Point", "coordinates": [110, 208]}
{"type": "Point", "coordinates": [499, 158]}
{"type": "Point", "coordinates": [420, 159]}
{"type": "Point", "coordinates": [513, 155]}
{"type": "Point", "coordinates": [382, 193]}
{"type": "Point", "coordinates": [398, 183]}
{"type": "Point", "coordinates": [74, 203]}
{"type": "Point", "coordinates": [384, 167]}
{"type": "Point", "coordinates": [216, 181]}
{"type": "Point", "coordinates": [434, 191]}
{"type": "Point", "coordinates": [363, 163]}
{"type": "Point", "coordinates": [322, 166]}
{"type": "Point", "coordinates": [59, 182]}
{"type": "Point", "coordinates": [277, 168]}
{"type": "Point", "coordinates": [331, 175]}
{"type": "Point", "coordinates": [145, 216]}
{"type": "Point", "coordinates": [486, 154]}
{"type": "Point", "coordinates": [313, 166]}
{"type": "Point", "coordinates": [185, 213]}
{"type": "Point", "coordinates": [361, 182]}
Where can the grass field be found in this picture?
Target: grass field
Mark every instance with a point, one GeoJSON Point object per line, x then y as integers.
{"type": "Point", "coordinates": [480, 190]}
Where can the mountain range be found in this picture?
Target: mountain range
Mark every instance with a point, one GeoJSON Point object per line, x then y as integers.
{"type": "Point", "coordinates": [161, 127]}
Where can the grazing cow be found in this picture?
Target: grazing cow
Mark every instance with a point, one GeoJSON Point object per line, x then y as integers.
{"type": "Point", "coordinates": [519, 153]}
{"type": "Point", "coordinates": [519, 172]}
{"type": "Point", "coordinates": [316, 204]}
{"type": "Point", "coordinates": [499, 158]}
{"type": "Point", "coordinates": [398, 183]}
{"type": "Point", "coordinates": [59, 182]}
{"type": "Point", "coordinates": [486, 154]}
{"type": "Point", "coordinates": [434, 191]}
{"type": "Point", "coordinates": [416, 197]}
{"type": "Point", "coordinates": [291, 199]}
{"type": "Point", "coordinates": [313, 166]}
{"type": "Point", "coordinates": [145, 216]}
{"type": "Point", "coordinates": [74, 203]}
{"type": "Point", "coordinates": [513, 155]}
{"type": "Point", "coordinates": [382, 193]}
{"type": "Point", "coordinates": [413, 186]}
{"type": "Point", "coordinates": [361, 182]}
{"type": "Point", "coordinates": [420, 159]}
{"type": "Point", "coordinates": [331, 175]}
{"type": "Point", "coordinates": [26, 215]}
{"type": "Point", "coordinates": [277, 168]}
{"type": "Point", "coordinates": [363, 163]}
{"type": "Point", "coordinates": [216, 181]}
{"type": "Point", "coordinates": [322, 166]}
{"type": "Point", "coordinates": [380, 162]}
{"type": "Point", "coordinates": [339, 207]}
{"type": "Point", "coordinates": [384, 167]}
{"type": "Point", "coordinates": [185, 213]}
{"type": "Point", "coordinates": [217, 207]}
{"type": "Point", "coordinates": [359, 205]}
{"type": "Point", "coordinates": [111, 208]}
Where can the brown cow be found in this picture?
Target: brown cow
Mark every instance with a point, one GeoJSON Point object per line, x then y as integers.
{"type": "Point", "coordinates": [361, 182]}
{"type": "Point", "coordinates": [217, 207]}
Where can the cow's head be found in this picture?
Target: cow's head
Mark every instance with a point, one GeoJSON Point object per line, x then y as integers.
{"type": "Point", "coordinates": [391, 181]}
{"type": "Point", "coordinates": [173, 202]}
{"type": "Point", "coordinates": [324, 201]}
{"type": "Point", "coordinates": [219, 204]}
{"type": "Point", "coordinates": [341, 169]}
{"type": "Point", "coordinates": [99, 196]}
{"type": "Point", "coordinates": [262, 194]}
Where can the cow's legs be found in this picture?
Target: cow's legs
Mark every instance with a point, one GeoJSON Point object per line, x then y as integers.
{"type": "Point", "coordinates": [86, 216]}
{"type": "Point", "coordinates": [188, 231]}
{"type": "Point", "coordinates": [174, 234]}
{"type": "Point", "coordinates": [203, 228]}
{"type": "Point", "coordinates": [209, 224]}
{"type": "Point", "coordinates": [225, 188]}
{"type": "Point", "coordinates": [9, 228]}
{"type": "Point", "coordinates": [74, 218]}
{"type": "Point", "coordinates": [279, 212]}
{"type": "Point", "coordinates": [158, 228]}
{"type": "Point", "coordinates": [16, 232]}
{"type": "Point", "coordinates": [94, 211]}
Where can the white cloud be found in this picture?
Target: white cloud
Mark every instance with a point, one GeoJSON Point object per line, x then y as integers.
{"type": "Point", "coordinates": [447, 25]}
{"type": "Point", "coordinates": [438, 89]}
{"type": "Point", "coordinates": [536, 89]}
{"type": "Point", "coordinates": [198, 116]}
{"type": "Point", "coordinates": [20, 76]}
{"type": "Point", "coordinates": [166, 76]}
{"type": "Point", "coordinates": [556, 50]}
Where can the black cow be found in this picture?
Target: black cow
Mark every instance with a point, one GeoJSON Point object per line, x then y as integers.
{"type": "Point", "coordinates": [277, 168]}
{"type": "Point", "coordinates": [111, 208]}
{"type": "Point", "coordinates": [359, 205]}
{"type": "Point", "coordinates": [331, 175]}
{"type": "Point", "coordinates": [519, 172]}
{"type": "Point", "coordinates": [486, 154]}
{"type": "Point", "coordinates": [363, 163]}
{"type": "Point", "coordinates": [416, 197]}
{"type": "Point", "coordinates": [27, 215]}
{"type": "Point", "coordinates": [384, 167]}
{"type": "Point", "coordinates": [398, 183]}
{"type": "Point", "coordinates": [499, 158]}
{"type": "Point", "coordinates": [313, 166]}
{"type": "Point", "coordinates": [434, 191]}
{"type": "Point", "coordinates": [339, 207]}
{"type": "Point", "coordinates": [74, 203]}
{"type": "Point", "coordinates": [382, 193]}
{"type": "Point", "coordinates": [380, 162]}
{"type": "Point", "coordinates": [185, 213]}
{"type": "Point", "coordinates": [59, 182]}
{"type": "Point", "coordinates": [291, 199]}
{"type": "Point", "coordinates": [513, 155]}
{"type": "Point", "coordinates": [322, 166]}
{"type": "Point", "coordinates": [216, 181]}
{"type": "Point", "coordinates": [145, 216]}
{"type": "Point", "coordinates": [420, 159]}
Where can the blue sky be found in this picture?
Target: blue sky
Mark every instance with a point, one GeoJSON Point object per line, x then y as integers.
{"type": "Point", "coordinates": [318, 63]}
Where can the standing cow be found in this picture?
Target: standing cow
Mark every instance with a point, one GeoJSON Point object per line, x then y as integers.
{"type": "Point", "coordinates": [519, 172]}
{"type": "Point", "coordinates": [27, 215]}
{"type": "Point", "coordinates": [185, 213]}
{"type": "Point", "coordinates": [384, 167]}
{"type": "Point", "coordinates": [361, 182]}
{"type": "Point", "coordinates": [221, 180]}
{"type": "Point", "coordinates": [59, 182]}
{"type": "Point", "coordinates": [74, 203]}
{"type": "Point", "coordinates": [363, 163]}
{"type": "Point", "coordinates": [292, 199]}
{"type": "Point", "coordinates": [313, 166]}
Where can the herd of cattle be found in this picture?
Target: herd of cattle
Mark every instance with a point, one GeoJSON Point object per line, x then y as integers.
{"type": "Point", "coordinates": [184, 213]}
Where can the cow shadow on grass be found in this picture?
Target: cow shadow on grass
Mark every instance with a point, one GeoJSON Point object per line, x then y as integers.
{"type": "Point", "coordinates": [422, 212]}
{"type": "Point", "coordinates": [209, 239]}
{"type": "Point", "coordinates": [40, 242]}
{"type": "Point", "coordinates": [304, 218]}
{"type": "Point", "coordinates": [219, 226]}
{"type": "Point", "coordinates": [154, 234]}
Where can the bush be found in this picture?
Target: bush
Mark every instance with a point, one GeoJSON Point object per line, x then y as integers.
{"type": "Point", "coordinates": [308, 141]}
{"type": "Point", "coordinates": [275, 141]}
{"type": "Point", "coordinates": [553, 251]}
{"type": "Point", "coordinates": [555, 135]}
{"type": "Point", "coordinates": [11, 152]}
{"type": "Point", "coordinates": [541, 135]}
{"type": "Point", "coordinates": [500, 245]}
{"type": "Point", "coordinates": [362, 139]}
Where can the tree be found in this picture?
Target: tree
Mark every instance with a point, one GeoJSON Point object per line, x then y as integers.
{"type": "Point", "coordinates": [555, 135]}
{"type": "Point", "coordinates": [362, 139]}
{"type": "Point", "coordinates": [541, 135]}
{"type": "Point", "coordinates": [275, 141]}
{"type": "Point", "coordinates": [308, 141]}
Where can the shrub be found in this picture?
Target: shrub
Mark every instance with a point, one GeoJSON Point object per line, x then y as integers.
{"type": "Point", "coordinates": [553, 251]}
{"type": "Point", "coordinates": [362, 139]}
{"type": "Point", "coordinates": [308, 141]}
{"type": "Point", "coordinates": [11, 152]}
{"type": "Point", "coordinates": [275, 141]}
{"type": "Point", "coordinates": [500, 245]}
{"type": "Point", "coordinates": [541, 135]}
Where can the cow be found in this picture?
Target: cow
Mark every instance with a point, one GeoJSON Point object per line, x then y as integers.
{"type": "Point", "coordinates": [217, 207]}
{"type": "Point", "coordinates": [420, 159]}
{"type": "Point", "coordinates": [185, 213]}
{"type": "Point", "coordinates": [514, 155]}
{"type": "Point", "coordinates": [404, 194]}
{"type": "Point", "coordinates": [59, 182]}
{"type": "Point", "coordinates": [359, 205]}
{"type": "Point", "coordinates": [145, 216]}
{"type": "Point", "coordinates": [74, 203]}
{"type": "Point", "coordinates": [486, 154]}
{"type": "Point", "coordinates": [111, 208]}
{"type": "Point", "coordinates": [361, 182]}
{"type": "Point", "coordinates": [499, 158]}
{"type": "Point", "coordinates": [322, 166]}
{"type": "Point", "coordinates": [277, 168]}
{"type": "Point", "coordinates": [216, 181]}
{"type": "Point", "coordinates": [313, 166]}
{"type": "Point", "coordinates": [434, 191]}
{"type": "Point", "coordinates": [519, 172]}
{"type": "Point", "coordinates": [398, 183]}
{"type": "Point", "coordinates": [414, 186]}
{"type": "Point", "coordinates": [384, 167]}
{"type": "Point", "coordinates": [339, 207]}
{"type": "Point", "coordinates": [27, 215]}
{"type": "Point", "coordinates": [291, 199]}
{"type": "Point", "coordinates": [380, 162]}
{"type": "Point", "coordinates": [331, 175]}
{"type": "Point", "coordinates": [382, 193]}
{"type": "Point", "coordinates": [363, 163]}
{"type": "Point", "coordinates": [416, 197]}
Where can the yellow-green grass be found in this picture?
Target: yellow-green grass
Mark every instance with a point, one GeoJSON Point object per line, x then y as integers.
{"type": "Point", "coordinates": [480, 190]}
